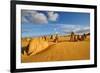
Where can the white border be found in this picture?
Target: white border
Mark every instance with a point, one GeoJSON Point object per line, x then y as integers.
{"type": "Point", "coordinates": [20, 65]}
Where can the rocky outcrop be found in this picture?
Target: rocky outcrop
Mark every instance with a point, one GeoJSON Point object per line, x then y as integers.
{"type": "Point", "coordinates": [37, 45]}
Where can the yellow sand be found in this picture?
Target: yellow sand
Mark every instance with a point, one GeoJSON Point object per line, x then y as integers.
{"type": "Point", "coordinates": [62, 51]}
{"type": "Point", "coordinates": [37, 45]}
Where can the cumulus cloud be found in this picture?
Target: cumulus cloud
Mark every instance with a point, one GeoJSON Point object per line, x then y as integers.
{"type": "Point", "coordinates": [52, 16]}
{"type": "Point", "coordinates": [39, 18]}
{"type": "Point", "coordinates": [33, 17]}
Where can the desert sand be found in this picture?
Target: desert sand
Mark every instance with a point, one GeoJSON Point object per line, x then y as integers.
{"type": "Point", "coordinates": [62, 50]}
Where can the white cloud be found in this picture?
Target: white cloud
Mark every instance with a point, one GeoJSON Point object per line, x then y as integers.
{"type": "Point", "coordinates": [39, 18]}
{"type": "Point", "coordinates": [83, 30]}
{"type": "Point", "coordinates": [34, 17]}
{"type": "Point", "coordinates": [67, 28]}
{"type": "Point", "coordinates": [52, 16]}
{"type": "Point", "coordinates": [78, 29]}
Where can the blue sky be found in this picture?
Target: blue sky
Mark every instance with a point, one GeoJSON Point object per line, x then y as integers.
{"type": "Point", "coordinates": [38, 23]}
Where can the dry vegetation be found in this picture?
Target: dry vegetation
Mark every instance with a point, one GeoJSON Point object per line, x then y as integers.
{"type": "Point", "coordinates": [55, 48]}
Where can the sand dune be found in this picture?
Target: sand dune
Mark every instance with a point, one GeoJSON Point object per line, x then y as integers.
{"type": "Point", "coordinates": [37, 45]}
{"type": "Point", "coordinates": [62, 50]}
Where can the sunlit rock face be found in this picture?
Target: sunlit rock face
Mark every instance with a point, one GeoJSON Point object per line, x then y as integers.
{"type": "Point", "coordinates": [37, 45]}
{"type": "Point", "coordinates": [25, 42]}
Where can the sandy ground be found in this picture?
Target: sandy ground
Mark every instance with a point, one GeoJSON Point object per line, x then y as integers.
{"type": "Point", "coordinates": [61, 51]}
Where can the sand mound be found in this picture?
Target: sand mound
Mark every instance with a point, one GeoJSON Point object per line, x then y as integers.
{"type": "Point", "coordinates": [37, 45]}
